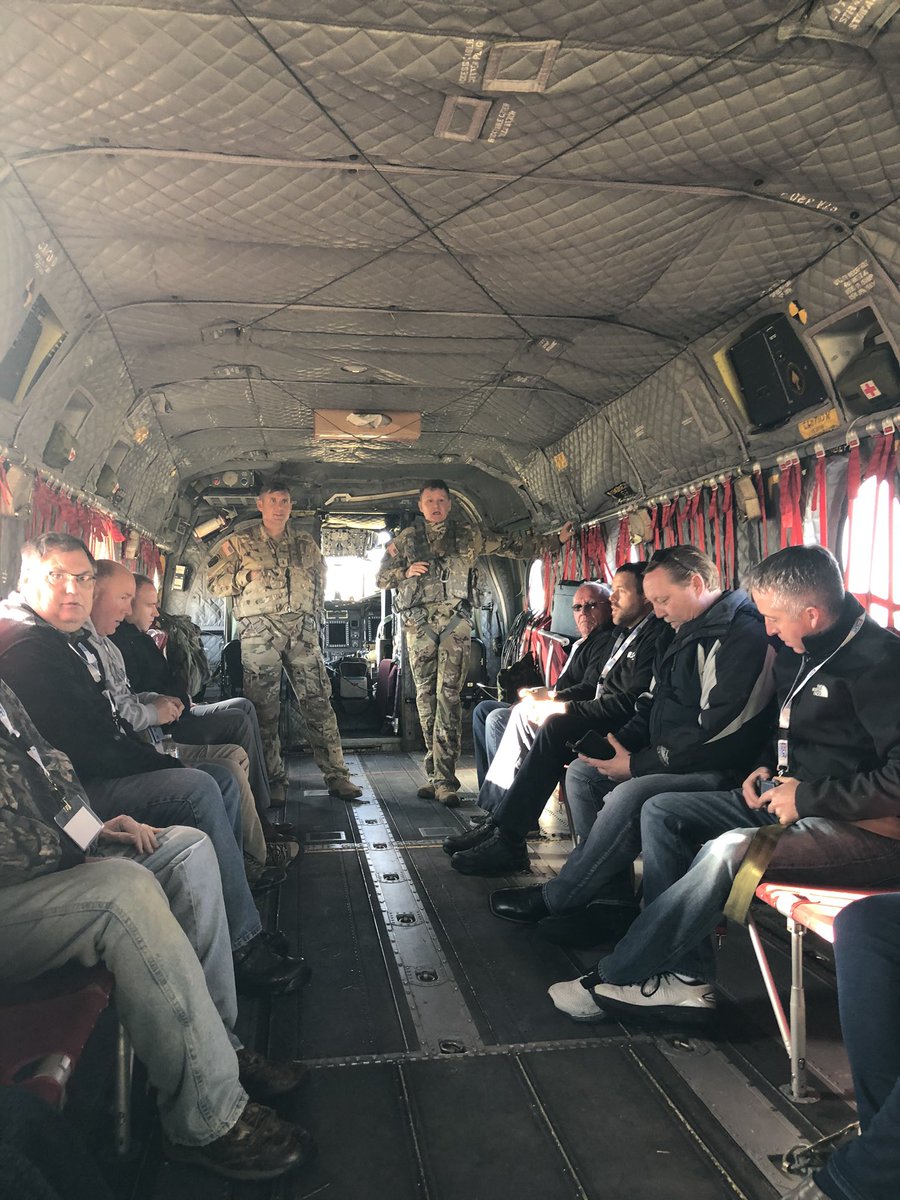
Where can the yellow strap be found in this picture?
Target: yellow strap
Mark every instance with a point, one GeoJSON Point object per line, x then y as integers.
{"type": "Point", "coordinates": [750, 872]}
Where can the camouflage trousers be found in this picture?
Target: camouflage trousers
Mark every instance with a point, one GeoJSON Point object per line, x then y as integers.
{"type": "Point", "coordinates": [270, 645]}
{"type": "Point", "coordinates": [439, 671]}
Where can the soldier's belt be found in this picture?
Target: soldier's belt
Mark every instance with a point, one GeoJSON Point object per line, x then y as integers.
{"type": "Point", "coordinates": [753, 866]}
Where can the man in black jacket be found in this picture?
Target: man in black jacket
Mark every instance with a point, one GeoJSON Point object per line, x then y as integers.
{"type": "Point", "coordinates": [230, 721]}
{"type": "Point", "coordinates": [704, 718]}
{"type": "Point", "coordinates": [621, 676]}
{"type": "Point", "coordinates": [577, 679]}
{"type": "Point", "coordinates": [46, 658]}
{"type": "Point", "coordinates": [509, 731]}
{"type": "Point", "coordinates": [836, 751]}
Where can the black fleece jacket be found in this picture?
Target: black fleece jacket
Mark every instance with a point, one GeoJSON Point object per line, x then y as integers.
{"type": "Point", "coordinates": [54, 684]}
{"type": "Point", "coordinates": [627, 680]}
{"type": "Point", "coordinates": [844, 737]}
{"type": "Point", "coordinates": [710, 705]}
{"type": "Point", "coordinates": [147, 667]}
{"type": "Point", "coordinates": [580, 680]}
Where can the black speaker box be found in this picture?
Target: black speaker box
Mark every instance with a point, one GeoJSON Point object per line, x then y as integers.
{"type": "Point", "coordinates": [776, 374]}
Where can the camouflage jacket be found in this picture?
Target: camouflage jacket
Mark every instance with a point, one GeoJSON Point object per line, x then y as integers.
{"type": "Point", "coordinates": [293, 579]}
{"type": "Point", "coordinates": [452, 549]}
{"type": "Point", "coordinates": [31, 843]}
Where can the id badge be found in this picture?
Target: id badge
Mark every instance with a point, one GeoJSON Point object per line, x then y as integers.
{"type": "Point", "coordinates": [79, 824]}
{"type": "Point", "coordinates": [782, 754]}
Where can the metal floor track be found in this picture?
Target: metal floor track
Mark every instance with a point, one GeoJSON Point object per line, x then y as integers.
{"type": "Point", "coordinates": [440, 1069]}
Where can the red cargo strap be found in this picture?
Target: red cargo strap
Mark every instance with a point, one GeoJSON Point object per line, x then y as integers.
{"type": "Point", "coordinates": [694, 512]}
{"type": "Point", "coordinates": [681, 512]}
{"type": "Point", "coordinates": [760, 484]}
{"type": "Point", "coordinates": [727, 507]}
{"type": "Point", "coordinates": [668, 512]}
{"type": "Point", "coordinates": [623, 543]}
{"type": "Point", "coordinates": [820, 498]}
{"type": "Point", "coordinates": [789, 495]}
{"type": "Point", "coordinates": [654, 526]}
{"type": "Point", "coordinates": [713, 513]}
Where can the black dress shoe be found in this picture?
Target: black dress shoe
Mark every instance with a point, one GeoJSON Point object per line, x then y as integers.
{"type": "Point", "coordinates": [259, 970]}
{"type": "Point", "coordinates": [524, 905]}
{"type": "Point", "coordinates": [469, 838]}
{"type": "Point", "coordinates": [494, 856]}
{"type": "Point", "coordinates": [598, 924]}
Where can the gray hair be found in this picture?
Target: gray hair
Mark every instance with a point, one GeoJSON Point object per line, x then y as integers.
{"type": "Point", "coordinates": [802, 577]}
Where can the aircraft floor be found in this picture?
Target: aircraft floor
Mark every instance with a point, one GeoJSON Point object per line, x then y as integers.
{"type": "Point", "coordinates": [439, 1067]}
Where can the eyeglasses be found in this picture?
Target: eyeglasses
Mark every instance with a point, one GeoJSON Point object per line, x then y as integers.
{"type": "Point", "coordinates": [59, 578]}
{"type": "Point", "coordinates": [586, 606]}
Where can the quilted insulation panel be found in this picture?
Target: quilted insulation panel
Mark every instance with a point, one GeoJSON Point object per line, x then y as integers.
{"type": "Point", "coordinates": [534, 224]}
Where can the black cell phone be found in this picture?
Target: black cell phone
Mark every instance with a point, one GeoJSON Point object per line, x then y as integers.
{"type": "Point", "coordinates": [763, 785]}
{"type": "Point", "coordinates": [592, 745]}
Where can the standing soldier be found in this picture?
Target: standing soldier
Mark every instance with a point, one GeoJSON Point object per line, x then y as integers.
{"type": "Point", "coordinates": [430, 564]}
{"type": "Point", "coordinates": [277, 576]}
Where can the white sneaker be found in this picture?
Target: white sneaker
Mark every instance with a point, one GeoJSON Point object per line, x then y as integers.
{"type": "Point", "coordinates": [665, 995]}
{"type": "Point", "coordinates": [574, 998]}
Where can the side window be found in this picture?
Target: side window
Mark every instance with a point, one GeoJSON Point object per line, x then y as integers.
{"type": "Point", "coordinates": [536, 596]}
{"type": "Point", "coordinates": [870, 551]}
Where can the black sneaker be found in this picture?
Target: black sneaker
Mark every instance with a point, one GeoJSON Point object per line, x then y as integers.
{"type": "Point", "coordinates": [493, 856]}
{"type": "Point", "coordinates": [469, 838]}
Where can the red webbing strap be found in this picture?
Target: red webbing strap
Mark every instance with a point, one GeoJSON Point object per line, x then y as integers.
{"type": "Point", "coordinates": [694, 512]}
{"type": "Point", "coordinates": [623, 542]}
{"type": "Point", "coordinates": [668, 512]}
{"type": "Point", "coordinates": [548, 580]}
{"type": "Point", "coordinates": [820, 498]}
{"type": "Point", "coordinates": [760, 484]}
{"type": "Point", "coordinates": [789, 497]}
{"type": "Point", "coordinates": [569, 556]}
{"type": "Point", "coordinates": [713, 515]}
{"type": "Point", "coordinates": [727, 507]}
{"type": "Point", "coordinates": [681, 520]}
{"type": "Point", "coordinates": [853, 482]}
{"type": "Point", "coordinates": [654, 526]}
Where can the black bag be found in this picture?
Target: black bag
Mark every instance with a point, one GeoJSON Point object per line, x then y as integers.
{"type": "Point", "coordinates": [523, 673]}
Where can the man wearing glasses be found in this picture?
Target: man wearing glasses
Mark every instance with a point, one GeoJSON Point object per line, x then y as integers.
{"type": "Point", "coordinates": [47, 660]}
{"type": "Point", "coordinates": [509, 732]}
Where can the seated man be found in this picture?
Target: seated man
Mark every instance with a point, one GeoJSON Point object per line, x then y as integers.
{"type": "Point", "coordinates": [148, 904]}
{"type": "Point", "coordinates": [114, 590]}
{"type": "Point", "coordinates": [229, 721]}
{"type": "Point", "coordinates": [704, 718]}
{"type": "Point", "coordinates": [510, 732]}
{"type": "Point", "coordinates": [524, 778]}
{"type": "Point", "coordinates": [46, 658]}
{"type": "Point", "coordinates": [837, 795]}
{"type": "Point", "coordinates": [867, 958]}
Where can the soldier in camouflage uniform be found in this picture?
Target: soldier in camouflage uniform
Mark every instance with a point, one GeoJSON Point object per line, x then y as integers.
{"type": "Point", "coordinates": [277, 576]}
{"type": "Point", "coordinates": [430, 564]}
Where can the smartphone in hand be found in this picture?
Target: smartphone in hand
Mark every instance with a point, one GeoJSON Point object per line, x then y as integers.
{"type": "Point", "coordinates": [592, 745]}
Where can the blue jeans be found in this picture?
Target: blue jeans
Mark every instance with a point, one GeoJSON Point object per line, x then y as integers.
{"type": "Point", "coordinates": [174, 977]}
{"type": "Point", "coordinates": [867, 953]}
{"type": "Point", "coordinates": [206, 799]}
{"type": "Point", "coordinates": [480, 714]}
{"type": "Point", "coordinates": [685, 892]}
{"type": "Point", "coordinates": [233, 722]}
{"type": "Point", "coordinates": [607, 823]}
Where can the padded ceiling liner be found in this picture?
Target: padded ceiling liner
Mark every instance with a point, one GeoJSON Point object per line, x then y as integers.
{"type": "Point", "coordinates": [558, 283]}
